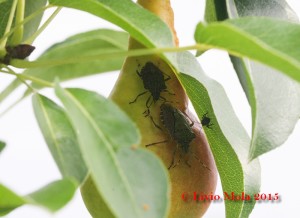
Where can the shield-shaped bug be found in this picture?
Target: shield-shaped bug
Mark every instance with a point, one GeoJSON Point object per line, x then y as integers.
{"type": "Point", "coordinates": [154, 82]}
{"type": "Point", "coordinates": [179, 127]}
{"type": "Point", "coordinates": [205, 121]}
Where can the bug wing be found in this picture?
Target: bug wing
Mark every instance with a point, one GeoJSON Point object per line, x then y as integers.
{"type": "Point", "coordinates": [167, 118]}
{"type": "Point", "coordinates": [184, 133]}
{"type": "Point", "coordinates": [153, 79]}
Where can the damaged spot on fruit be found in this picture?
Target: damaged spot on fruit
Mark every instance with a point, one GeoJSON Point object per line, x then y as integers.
{"type": "Point", "coordinates": [179, 127]}
{"type": "Point", "coordinates": [133, 147]}
{"type": "Point", "coordinates": [154, 81]}
{"type": "Point", "coordinates": [146, 207]}
{"type": "Point", "coordinates": [205, 121]}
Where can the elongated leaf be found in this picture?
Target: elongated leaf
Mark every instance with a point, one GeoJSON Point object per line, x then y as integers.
{"type": "Point", "coordinates": [138, 27]}
{"type": "Point", "coordinates": [274, 98]}
{"type": "Point", "coordinates": [275, 104]}
{"type": "Point", "coordinates": [228, 139]}
{"type": "Point", "coordinates": [2, 145]}
{"type": "Point", "coordinates": [9, 200]}
{"type": "Point", "coordinates": [215, 10]}
{"type": "Point", "coordinates": [267, 104]}
{"type": "Point", "coordinates": [104, 131]}
{"type": "Point", "coordinates": [140, 23]}
{"type": "Point", "coordinates": [53, 196]}
{"type": "Point", "coordinates": [267, 8]}
{"type": "Point", "coordinates": [152, 192]}
{"type": "Point", "coordinates": [30, 7]}
{"type": "Point", "coordinates": [9, 89]}
{"type": "Point", "coordinates": [94, 42]}
{"type": "Point", "coordinates": [4, 14]}
{"type": "Point", "coordinates": [269, 41]}
{"type": "Point", "coordinates": [60, 137]}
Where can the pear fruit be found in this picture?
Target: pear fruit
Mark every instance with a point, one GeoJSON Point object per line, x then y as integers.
{"type": "Point", "coordinates": [187, 180]}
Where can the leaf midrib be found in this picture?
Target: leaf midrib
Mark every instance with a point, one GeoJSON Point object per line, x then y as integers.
{"type": "Point", "coordinates": [277, 53]}
{"type": "Point", "coordinates": [108, 147]}
{"type": "Point", "coordinates": [52, 134]}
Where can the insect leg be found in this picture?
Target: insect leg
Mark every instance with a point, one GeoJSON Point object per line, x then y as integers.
{"type": "Point", "coordinates": [156, 143]}
{"type": "Point", "coordinates": [192, 121]}
{"type": "Point", "coordinates": [157, 126]}
{"type": "Point", "coordinates": [204, 115]}
{"type": "Point", "coordinates": [197, 158]}
{"type": "Point", "coordinates": [187, 163]}
{"type": "Point", "coordinates": [147, 102]}
{"type": "Point", "coordinates": [138, 73]}
{"type": "Point", "coordinates": [170, 93]}
{"type": "Point", "coordinates": [173, 158]}
{"type": "Point", "coordinates": [139, 65]}
{"type": "Point", "coordinates": [178, 162]}
{"type": "Point", "coordinates": [209, 125]}
{"type": "Point", "coordinates": [168, 77]}
{"type": "Point", "coordinates": [138, 97]}
{"type": "Point", "coordinates": [165, 100]}
{"type": "Point", "coordinates": [147, 112]}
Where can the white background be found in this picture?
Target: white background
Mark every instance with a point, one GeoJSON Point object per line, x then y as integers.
{"type": "Point", "coordinates": [26, 164]}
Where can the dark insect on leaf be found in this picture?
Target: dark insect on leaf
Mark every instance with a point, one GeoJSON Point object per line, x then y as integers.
{"type": "Point", "coordinates": [205, 121]}
{"type": "Point", "coordinates": [154, 82]}
{"type": "Point", "coordinates": [179, 127]}
{"type": "Point", "coordinates": [21, 51]}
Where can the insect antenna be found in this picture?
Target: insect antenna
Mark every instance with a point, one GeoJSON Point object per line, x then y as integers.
{"type": "Point", "coordinates": [139, 95]}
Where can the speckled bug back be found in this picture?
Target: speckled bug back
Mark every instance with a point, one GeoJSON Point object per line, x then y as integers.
{"type": "Point", "coordinates": [153, 80]}
{"type": "Point", "coordinates": [178, 126]}
{"type": "Point", "coordinates": [154, 83]}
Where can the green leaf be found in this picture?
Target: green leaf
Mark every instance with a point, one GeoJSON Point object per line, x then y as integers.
{"type": "Point", "coordinates": [140, 23]}
{"type": "Point", "coordinates": [9, 200]}
{"type": "Point", "coordinates": [116, 15]}
{"type": "Point", "coordinates": [228, 140]}
{"type": "Point", "coordinates": [277, 49]}
{"type": "Point", "coordinates": [96, 42]}
{"type": "Point", "coordinates": [152, 192]}
{"type": "Point", "coordinates": [5, 7]}
{"type": "Point", "coordinates": [215, 10]}
{"type": "Point", "coordinates": [9, 89]}
{"type": "Point", "coordinates": [267, 8]}
{"type": "Point", "coordinates": [106, 136]}
{"type": "Point", "coordinates": [275, 104]}
{"type": "Point", "coordinates": [219, 10]}
{"type": "Point", "coordinates": [2, 145]}
{"type": "Point", "coordinates": [53, 196]}
{"type": "Point", "coordinates": [60, 137]}
{"type": "Point", "coordinates": [31, 6]}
